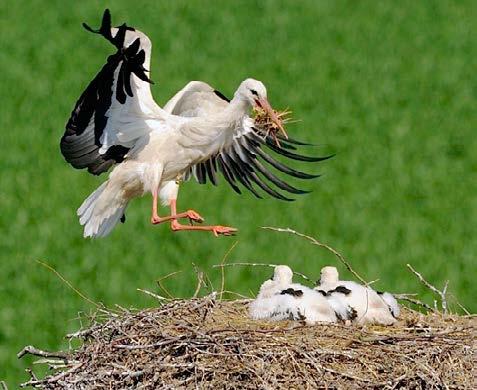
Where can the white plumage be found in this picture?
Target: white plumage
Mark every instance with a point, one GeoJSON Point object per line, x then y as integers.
{"type": "Point", "coordinates": [280, 299]}
{"type": "Point", "coordinates": [199, 133]}
{"type": "Point", "coordinates": [392, 303]}
{"type": "Point", "coordinates": [364, 303]}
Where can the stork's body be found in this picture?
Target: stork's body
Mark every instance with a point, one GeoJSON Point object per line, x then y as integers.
{"type": "Point", "coordinates": [182, 142]}
{"type": "Point", "coordinates": [116, 123]}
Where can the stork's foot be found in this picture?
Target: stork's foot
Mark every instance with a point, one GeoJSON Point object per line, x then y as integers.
{"type": "Point", "coordinates": [191, 214]}
{"type": "Point", "coordinates": [217, 230]}
{"type": "Point", "coordinates": [194, 216]}
{"type": "Point", "coordinates": [155, 219]}
{"type": "Point", "coordinates": [223, 230]}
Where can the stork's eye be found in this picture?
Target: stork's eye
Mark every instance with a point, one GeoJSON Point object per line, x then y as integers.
{"type": "Point", "coordinates": [254, 92]}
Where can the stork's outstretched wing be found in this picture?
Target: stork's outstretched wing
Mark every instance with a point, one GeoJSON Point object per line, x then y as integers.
{"type": "Point", "coordinates": [196, 99]}
{"type": "Point", "coordinates": [245, 159]}
{"type": "Point", "coordinates": [116, 108]}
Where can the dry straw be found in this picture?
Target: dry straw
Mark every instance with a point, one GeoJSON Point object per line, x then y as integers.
{"type": "Point", "coordinates": [209, 342]}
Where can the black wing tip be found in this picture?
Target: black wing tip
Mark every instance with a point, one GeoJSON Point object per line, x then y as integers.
{"type": "Point", "coordinates": [88, 28]}
{"type": "Point", "coordinates": [105, 21]}
{"type": "Point", "coordinates": [221, 95]}
{"type": "Point", "coordinates": [300, 157]}
{"type": "Point", "coordinates": [329, 156]}
{"type": "Point", "coordinates": [294, 141]}
{"type": "Point", "coordinates": [301, 192]}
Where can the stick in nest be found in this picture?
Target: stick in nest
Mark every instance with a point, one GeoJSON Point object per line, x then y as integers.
{"type": "Point", "coordinates": [441, 294]}
{"type": "Point", "coordinates": [314, 241]}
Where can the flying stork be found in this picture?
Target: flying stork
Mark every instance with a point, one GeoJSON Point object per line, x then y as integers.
{"type": "Point", "coordinates": [199, 133]}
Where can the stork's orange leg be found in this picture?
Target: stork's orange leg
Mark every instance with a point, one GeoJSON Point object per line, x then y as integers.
{"type": "Point", "coordinates": [156, 219]}
{"type": "Point", "coordinates": [176, 226]}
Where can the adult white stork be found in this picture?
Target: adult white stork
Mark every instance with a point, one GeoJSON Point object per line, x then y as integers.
{"type": "Point", "coordinates": [116, 122]}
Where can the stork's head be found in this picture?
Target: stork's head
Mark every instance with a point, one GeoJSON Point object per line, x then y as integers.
{"type": "Point", "coordinates": [329, 275]}
{"type": "Point", "coordinates": [283, 274]}
{"type": "Point", "coordinates": [251, 91]}
{"type": "Point", "coordinates": [254, 93]}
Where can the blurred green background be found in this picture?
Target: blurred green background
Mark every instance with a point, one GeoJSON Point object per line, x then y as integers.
{"type": "Point", "coordinates": [390, 87]}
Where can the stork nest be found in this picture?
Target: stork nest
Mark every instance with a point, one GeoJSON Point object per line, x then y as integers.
{"type": "Point", "coordinates": [211, 343]}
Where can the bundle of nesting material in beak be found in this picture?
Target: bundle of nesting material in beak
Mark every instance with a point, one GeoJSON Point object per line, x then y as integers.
{"type": "Point", "coordinates": [267, 126]}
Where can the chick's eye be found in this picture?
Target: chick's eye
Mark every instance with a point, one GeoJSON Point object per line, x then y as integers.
{"type": "Point", "coordinates": [254, 92]}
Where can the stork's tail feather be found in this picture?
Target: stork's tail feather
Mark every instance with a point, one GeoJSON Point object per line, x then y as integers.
{"type": "Point", "coordinates": [101, 211]}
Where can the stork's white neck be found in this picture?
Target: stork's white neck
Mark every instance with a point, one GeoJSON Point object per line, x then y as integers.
{"type": "Point", "coordinates": [238, 108]}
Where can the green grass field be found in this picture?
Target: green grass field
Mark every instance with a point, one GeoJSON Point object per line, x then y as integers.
{"type": "Point", "coordinates": [390, 87]}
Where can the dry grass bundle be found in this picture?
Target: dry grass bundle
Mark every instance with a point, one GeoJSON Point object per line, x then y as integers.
{"type": "Point", "coordinates": [205, 342]}
{"type": "Point", "coordinates": [265, 125]}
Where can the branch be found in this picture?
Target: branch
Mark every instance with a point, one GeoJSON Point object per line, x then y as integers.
{"type": "Point", "coordinates": [151, 294]}
{"type": "Point", "coordinates": [159, 283]}
{"type": "Point", "coordinates": [224, 259]}
{"type": "Point", "coordinates": [314, 241]}
{"type": "Point", "coordinates": [63, 279]}
{"type": "Point", "coordinates": [31, 350]}
{"type": "Point", "coordinates": [441, 294]}
{"type": "Point", "coordinates": [200, 280]}
{"type": "Point", "coordinates": [407, 298]}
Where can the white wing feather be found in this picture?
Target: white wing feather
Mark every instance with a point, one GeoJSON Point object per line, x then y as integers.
{"type": "Point", "coordinates": [196, 99]}
{"type": "Point", "coordinates": [138, 115]}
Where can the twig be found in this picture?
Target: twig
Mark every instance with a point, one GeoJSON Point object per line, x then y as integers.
{"type": "Point", "coordinates": [159, 283]}
{"type": "Point", "coordinates": [68, 283]}
{"type": "Point", "coordinates": [83, 333]}
{"type": "Point", "coordinates": [444, 292]}
{"type": "Point", "coordinates": [147, 346]}
{"type": "Point", "coordinates": [158, 297]}
{"type": "Point", "coordinates": [417, 302]}
{"type": "Point", "coordinates": [460, 305]}
{"type": "Point", "coordinates": [200, 280]}
{"type": "Point", "coordinates": [65, 373]}
{"type": "Point", "coordinates": [441, 294]}
{"type": "Point", "coordinates": [314, 241]}
{"type": "Point", "coordinates": [224, 259]}
{"type": "Point", "coordinates": [31, 350]}
{"type": "Point", "coordinates": [208, 283]}
{"type": "Point", "coordinates": [53, 363]}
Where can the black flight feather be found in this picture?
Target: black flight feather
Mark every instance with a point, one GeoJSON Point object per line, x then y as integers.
{"type": "Point", "coordinates": [80, 143]}
{"type": "Point", "coordinates": [222, 96]}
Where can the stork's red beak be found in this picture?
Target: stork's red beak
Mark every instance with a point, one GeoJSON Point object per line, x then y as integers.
{"type": "Point", "coordinates": [265, 106]}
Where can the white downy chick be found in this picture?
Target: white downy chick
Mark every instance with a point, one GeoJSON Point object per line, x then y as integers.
{"type": "Point", "coordinates": [280, 299]}
{"type": "Point", "coordinates": [282, 277]}
{"type": "Point", "coordinates": [392, 303]}
{"type": "Point", "coordinates": [363, 304]}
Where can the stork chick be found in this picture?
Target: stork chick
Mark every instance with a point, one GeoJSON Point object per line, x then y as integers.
{"type": "Point", "coordinates": [280, 299]}
{"type": "Point", "coordinates": [365, 304]}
